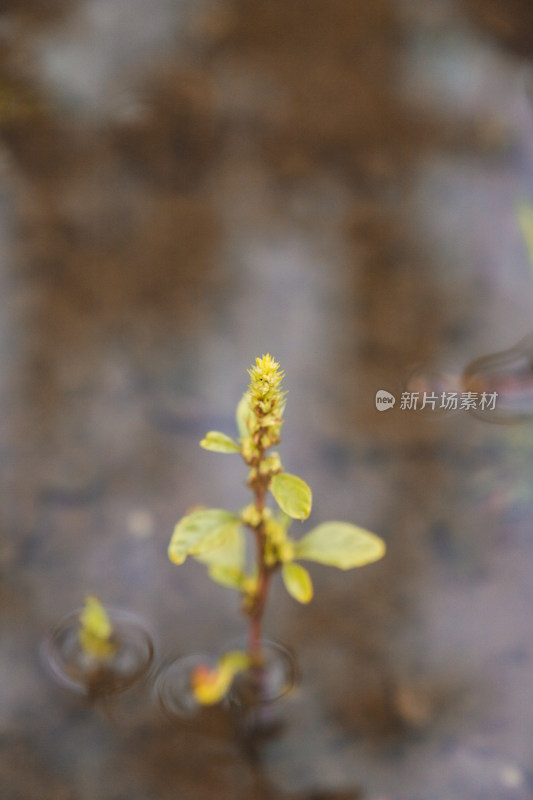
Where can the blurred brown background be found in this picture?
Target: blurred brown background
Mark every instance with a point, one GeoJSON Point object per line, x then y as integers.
{"type": "Point", "coordinates": [184, 186]}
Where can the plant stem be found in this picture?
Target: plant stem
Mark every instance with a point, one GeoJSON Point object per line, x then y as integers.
{"type": "Point", "coordinates": [257, 609]}
{"type": "Point", "coordinates": [256, 620]}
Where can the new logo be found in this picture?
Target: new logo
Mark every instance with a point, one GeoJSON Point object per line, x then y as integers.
{"type": "Point", "coordinates": [384, 400]}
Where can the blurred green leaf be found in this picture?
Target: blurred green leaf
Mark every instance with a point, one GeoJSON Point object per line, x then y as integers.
{"type": "Point", "coordinates": [284, 520]}
{"type": "Point", "coordinates": [201, 531]}
{"type": "Point", "coordinates": [226, 576]}
{"type": "Point", "coordinates": [219, 443]}
{"type": "Point", "coordinates": [292, 494]}
{"type": "Point", "coordinates": [229, 553]}
{"type": "Point", "coordinates": [242, 415]}
{"type": "Point", "coordinates": [340, 544]}
{"type": "Point", "coordinates": [297, 582]}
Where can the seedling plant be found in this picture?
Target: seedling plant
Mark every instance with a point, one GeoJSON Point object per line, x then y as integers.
{"type": "Point", "coordinates": [216, 537]}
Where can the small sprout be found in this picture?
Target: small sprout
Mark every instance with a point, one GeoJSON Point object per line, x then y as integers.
{"type": "Point", "coordinates": [210, 685]}
{"type": "Point", "coordinates": [96, 632]}
{"type": "Point", "coordinates": [216, 537]}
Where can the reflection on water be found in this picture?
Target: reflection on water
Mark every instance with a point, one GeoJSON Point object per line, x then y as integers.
{"type": "Point", "coordinates": [174, 682]}
{"type": "Point", "coordinates": [495, 388]}
{"type": "Point", "coordinates": [509, 374]}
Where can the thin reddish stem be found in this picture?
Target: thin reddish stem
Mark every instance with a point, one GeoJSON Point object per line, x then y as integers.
{"type": "Point", "coordinates": [258, 604]}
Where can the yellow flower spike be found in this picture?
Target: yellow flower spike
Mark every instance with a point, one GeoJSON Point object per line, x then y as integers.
{"type": "Point", "coordinates": [265, 383]}
{"type": "Point", "coordinates": [96, 632]}
{"type": "Point", "coordinates": [265, 375]}
{"type": "Point", "coordinates": [266, 403]}
{"type": "Point", "coordinates": [210, 686]}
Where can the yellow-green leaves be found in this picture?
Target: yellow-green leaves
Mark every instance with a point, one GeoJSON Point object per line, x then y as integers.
{"type": "Point", "coordinates": [214, 537]}
{"type": "Point", "coordinates": [210, 685]}
{"type": "Point", "coordinates": [297, 582]}
{"type": "Point", "coordinates": [219, 443]}
{"type": "Point", "coordinates": [229, 552]}
{"type": "Point", "coordinates": [225, 563]}
{"type": "Point", "coordinates": [202, 531]}
{"type": "Point", "coordinates": [95, 633]}
{"type": "Point", "coordinates": [243, 414]}
{"type": "Point", "coordinates": [227, 576]}
{"type": "Point", "coordinates": [292, 494]}
{"type": "Point", "coordinates": [340, 544]}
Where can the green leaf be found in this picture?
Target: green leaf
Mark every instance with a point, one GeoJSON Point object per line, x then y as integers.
{"type": "Point", "coordinates": [229, 554]}
{"type": "Point", "coordinates": [225, 563]}
{"type": "Point", "coordinates": [292, 494]}
{"type": "Point", "coordinates": [242, 415]}
{"type": "Point", "coordinates": [219, 443]}
{"type": "Point", "coordinates": [340, 544]}
{"type": "Point", "coordinates": [284, 520]}
{"type": "Point", "coordinates": [226, 576]}
{"type": "Point", "coordinates": [297, 582]}
{"type": "Point", "coordinates": [199, 532]}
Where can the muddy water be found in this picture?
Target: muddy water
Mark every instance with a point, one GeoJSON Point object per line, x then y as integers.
{"type": "Point", "coordinates": [185, 186]}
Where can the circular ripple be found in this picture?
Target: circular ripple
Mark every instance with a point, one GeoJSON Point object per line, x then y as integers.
{"type": "Point", "coordinates": [274, 679]}
{"type": "Point", "coordinates": [73, 668]}
{"type": "Point", "coordinates": [509, 374]}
